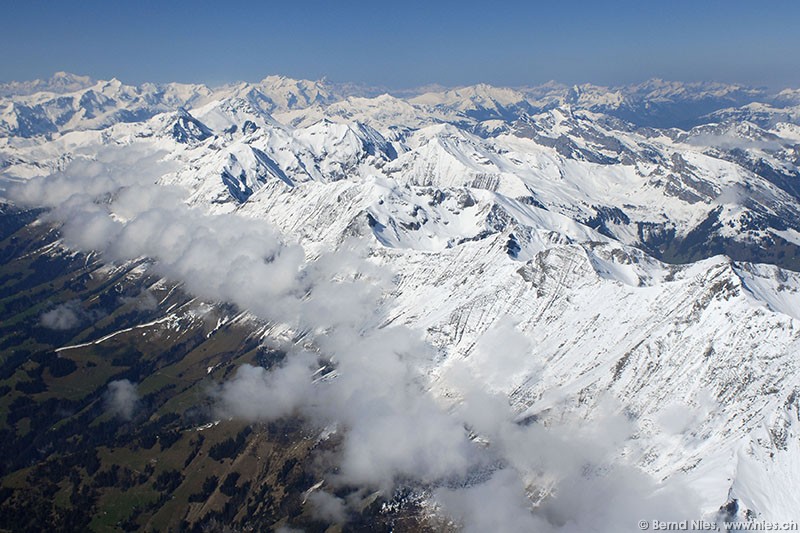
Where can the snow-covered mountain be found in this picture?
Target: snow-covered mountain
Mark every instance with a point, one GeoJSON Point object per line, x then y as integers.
{"type": "Point", "coordinates": [655, 103]}
{"type": "Point", "coordinates": [68, 103]}
{"type": "Point", "coordinates": [59, 83]}
{"type": "Point", "coordinates": [653, 268]}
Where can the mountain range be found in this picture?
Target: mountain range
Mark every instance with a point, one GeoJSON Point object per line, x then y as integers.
{"type": "Point", "coordinates": [589, 284]}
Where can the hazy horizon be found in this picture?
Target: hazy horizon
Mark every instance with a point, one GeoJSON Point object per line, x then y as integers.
{"type": "Point", "coordinates": [417, 89]}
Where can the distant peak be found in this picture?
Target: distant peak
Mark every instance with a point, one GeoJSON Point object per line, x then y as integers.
{"type": "Point", "coordinates": [60, 82]}
{"type": "Point", "coordinates": [275, 79]}
{"type": "Point", "coordinates": [69, 76]}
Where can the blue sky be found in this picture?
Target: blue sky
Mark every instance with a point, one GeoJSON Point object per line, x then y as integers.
{"type": "Point", "coordinates": [406, 44]}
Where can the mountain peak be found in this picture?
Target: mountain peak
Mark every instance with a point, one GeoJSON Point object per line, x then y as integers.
{"type": "Point", "coordinates": [60, 82]}
{"type": "Point", "coordinates": [68, 77]}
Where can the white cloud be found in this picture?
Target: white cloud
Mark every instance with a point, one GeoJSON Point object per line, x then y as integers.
{"type": "Point", "coordinates": [121, 398]}
{"type": "Point", "coordinates": [498, 504]}
{"type": "Point", "coordinates": [328, 507]}
{"type": "Point", "coordinates": [63, 317]}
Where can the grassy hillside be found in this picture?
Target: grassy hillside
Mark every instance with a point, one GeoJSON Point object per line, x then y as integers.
{"type": "Point", "coordinates": [69, 325]}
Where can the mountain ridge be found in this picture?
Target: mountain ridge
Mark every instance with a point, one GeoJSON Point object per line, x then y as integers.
{"type": "Point", "coordinates": [650, 103]}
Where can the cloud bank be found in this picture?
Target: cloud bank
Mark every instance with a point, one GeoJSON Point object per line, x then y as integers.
{"type": "Point", "coordinates": [456, 438]}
